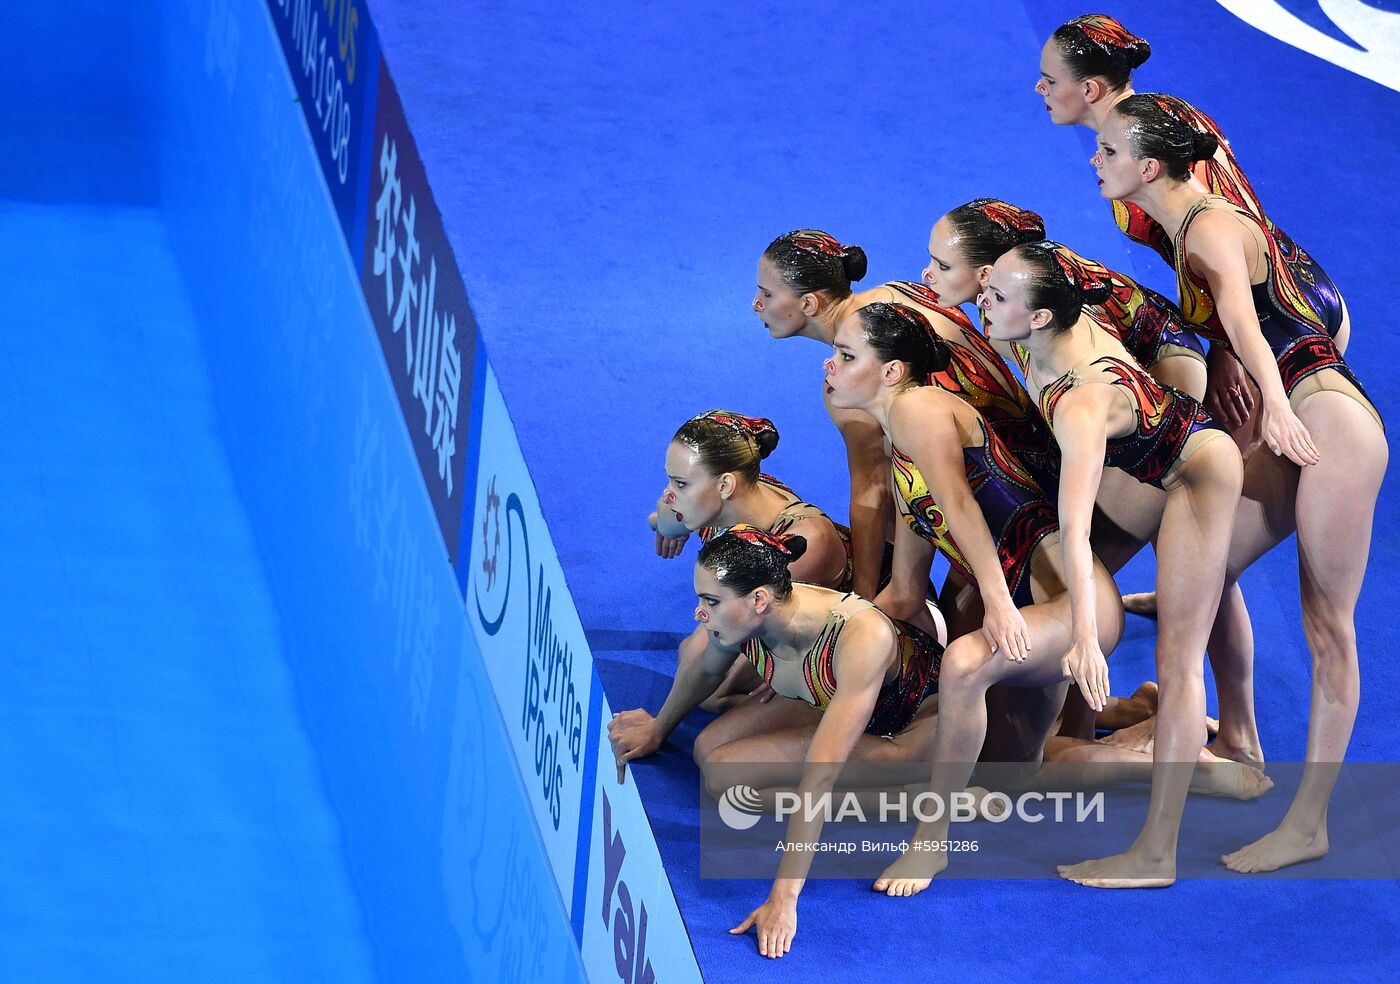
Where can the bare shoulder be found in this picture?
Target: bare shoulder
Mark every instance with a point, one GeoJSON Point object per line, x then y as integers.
{"type": "Point", "coordinates": [876, 295]}
{"type": "Point", "coordinates": [921, 409]}
{"type": "Point", "coordinates": [1088, 400]}
{"type": "Point", "coordinates": [871, 624]}
{"type": "Point", "coordinates": [1215, 232]}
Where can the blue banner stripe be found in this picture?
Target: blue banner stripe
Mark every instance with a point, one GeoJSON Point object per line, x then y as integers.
{"type": "Point", "coordinates": [473, 464]}
{"type": "Point", "coordinates": [585, 823]}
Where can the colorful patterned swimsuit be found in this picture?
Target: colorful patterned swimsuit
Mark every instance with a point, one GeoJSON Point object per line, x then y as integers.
{"type": "Point", "coordinates": [1167, 419]}
{"type": "Point", "coordinates": [1018, 513]}
{"type": "Point", "coordinates": [1299, 310]}
{"type": "Point", "coordinates": [995, 393]}
{"type": "Point", "coordinates": [791, 514]}
{"type": "Point", "coordinates": [920, 656]}
{"type": "Point", "coordinates": [1150, 327]}
{"type": "Point", "coordinates": [1222, 175]}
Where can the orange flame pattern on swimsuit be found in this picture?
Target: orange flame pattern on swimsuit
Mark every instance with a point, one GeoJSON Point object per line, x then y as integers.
{"type": "Point", "coordinates": [1198, 304]}
{"type": "Point", "coordinates": [970, 373]}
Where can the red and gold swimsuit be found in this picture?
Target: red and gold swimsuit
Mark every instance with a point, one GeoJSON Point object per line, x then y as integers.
{"type": "Point", "coordinates": [792, 513]}
{"type": "Point", "coordinates": [1150, 327]}
{"type": "Point", "coordinates": [979, 375]}
{"type": "Point", "coordinates": [1018, 513]}
{"type": "Point", "coordinates": [920, 656]}
{"type": "Point", "coordinates": [1299, 309]}
{"type": "Point", "coordinates": [1222, 175]}
{"type": "Point", "coordinates": [1167, 419]}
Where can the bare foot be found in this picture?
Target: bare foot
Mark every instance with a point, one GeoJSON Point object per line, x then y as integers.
{"type": "Point", "coordinates": [1279, 849]}
{"type": "Point", "coordinates": [1127, 870]}
{"type": "Point", "coordinates": [1141, 737]}
{"type": "Point", "coordinates": [913, 872]}
{"type": "Point", "coordinates": [1143, 604]}
{"type": "Point", "coordinates": [1124, 712]}
{"type": "Point", "coordinates": [1248, 756]}
{"type": "Point", "coordinates": [1224, 777]}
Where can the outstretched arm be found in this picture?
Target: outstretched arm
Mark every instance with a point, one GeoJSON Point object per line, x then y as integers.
{"type": "Point", "coordinates": [1218, 247]}
{"type": "Point", "coordinates": [903, 598]}
{"type": "Point", "coordinates": [635, 733]}
{"type": "Point", "coordinates": [929, 435]}
{"type": "Point", "coordinates": [863, 655]}
{"type": "Point", "coordinates": [1081, 428]}
{"type": "Point", "coordinates": [870, 511]}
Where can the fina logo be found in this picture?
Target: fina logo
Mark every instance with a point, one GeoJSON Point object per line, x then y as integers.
{"type": "Point", "coordinates": [740, 807]}
{"type": "Point", "coordinates": [491, 534]}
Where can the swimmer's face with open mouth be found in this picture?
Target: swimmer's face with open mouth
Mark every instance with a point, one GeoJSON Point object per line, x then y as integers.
{"type": "Point", "coordinates": [1064, 97]}
{"type": "Point", "coordinates": [853, 371]}
{"type": "Point", "coordinates": [729, 619]}
{"type": "Point", "coordinates": [948, 273]}
{"type": "Point", "coordinates": [691, 492]}
{"type": "Point", "coordinates": [777, 305]}
{"type": "Point", "coordinates": [1006, 314]}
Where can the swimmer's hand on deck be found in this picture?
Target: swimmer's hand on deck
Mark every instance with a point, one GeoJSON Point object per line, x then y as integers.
{"type": "Point", "coordinates": [776, 923]}
{"type": "Point", "coordinates": [633, 734]}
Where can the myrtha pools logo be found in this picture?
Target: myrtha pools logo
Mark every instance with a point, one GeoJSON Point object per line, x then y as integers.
{"type": "Point", "coordinates": [740, 807]}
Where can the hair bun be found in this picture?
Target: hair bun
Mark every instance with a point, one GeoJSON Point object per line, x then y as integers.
{"type": "Point", "coordinates": [1029, 235]}
{"type": "Point", "coordinates": [789, 545]}
{"type": "Point", "coordinates": [1092, 279]}
{"type": "Point", "coordinates": [854, 263]}
{"type": "Point", "coordinates": [761, 429]}
{"type": "Point", "coordinates": [1203, 145]}
{"type": "Point", "coordinates": [1139, 53]}
{"type": "Point", "coordinates": [1095, 291]}
{"type": "Point", "coordinates": [766, 438]}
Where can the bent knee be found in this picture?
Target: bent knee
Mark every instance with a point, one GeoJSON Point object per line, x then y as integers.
{"type": "Point", "coordinates": [705, 746]}
{"type": "Point", "coordinates": [1331, 635]}
{"type": "Point", "coordinates": [966, 661]}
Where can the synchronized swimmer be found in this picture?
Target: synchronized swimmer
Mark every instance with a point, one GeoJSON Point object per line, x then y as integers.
{"type": "Point", "coordinates": [1038, 447]}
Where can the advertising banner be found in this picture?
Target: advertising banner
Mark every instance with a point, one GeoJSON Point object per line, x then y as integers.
{"type": "Point", "coordinates": [419, 306]}
{"type": "Point", "coordinates": [596, 833]}
{"type": "Point", "coordinates": [333, 52]}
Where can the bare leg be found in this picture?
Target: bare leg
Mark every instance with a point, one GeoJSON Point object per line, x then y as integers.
{"type": "Point", "coordinates": [771, 743]}
{"type": "Point", "coordinates": [1184, 372]}
{"type": "Point", "coordinates": [1127, 514]}
{"type": "Point", "coordinates": [1188, 375]}
{"type": "Point", "coordinates": [969, 670]}
{"type": "Point", "coordinates": [1263, 520]}
{"type": "Point", "coordinates": [1192, 549]}
{"type": "Point", "coordinates": [1334, 543]}
{"type": "Point", "coordinates": [753, 718]}
{"type": "Point", "coordinates": [1106, 764]}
